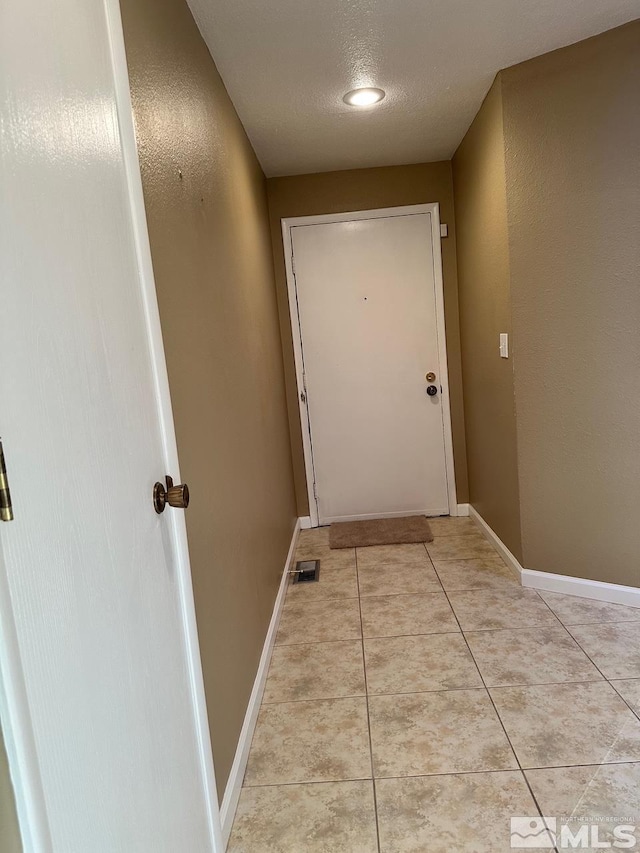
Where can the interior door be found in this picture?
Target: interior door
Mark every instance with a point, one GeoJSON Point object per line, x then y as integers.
{"type": "Point", "coordinates": [366, 296]}
{"type": "Point", "coordinates": [101, 685]}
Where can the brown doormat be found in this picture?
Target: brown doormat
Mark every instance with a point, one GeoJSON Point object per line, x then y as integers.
{"type": "Point", "coordinates": [380, 531]}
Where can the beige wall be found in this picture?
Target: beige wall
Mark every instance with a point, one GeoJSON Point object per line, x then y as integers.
{"type": "Point", "coordinates": [572, 129]}
{"type": "Point", "coordinates": [366, 189]}
{"type": "Point", "coordinates": [9, 833]}
{"type": "Point", "coordinates": [569, 169]}
{"type": "Point", "coordinates": [485, 311]}
{"type": "Point", "coordinates": [207, 212]}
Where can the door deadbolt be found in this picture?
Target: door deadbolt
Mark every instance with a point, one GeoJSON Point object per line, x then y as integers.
{"type": "Point", "coordinates": [175, 496]}
{"type": "Point", "coordinates": [430, 377]}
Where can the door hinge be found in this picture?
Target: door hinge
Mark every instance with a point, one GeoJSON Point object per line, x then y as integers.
{"type": "Point", "coordinates": [315, 491]}
{"type": "Point", "coordinates": [293, 263]}
{"type": "Point", "coordinates": [303, 397]}
{"type": "Point", "coordinates": [6, 507]}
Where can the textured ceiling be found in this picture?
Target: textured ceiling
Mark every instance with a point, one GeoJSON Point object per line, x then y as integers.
{"type": "Point", "coordinates": [287, 63]}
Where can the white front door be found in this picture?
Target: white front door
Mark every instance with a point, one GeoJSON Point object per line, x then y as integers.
{"type": "Point", "coordinates": [368, 295]}
{"type": "Point", "coordinates": [101, 695]}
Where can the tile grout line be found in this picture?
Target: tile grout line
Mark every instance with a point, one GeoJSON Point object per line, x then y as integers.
{"type": "Point", "coordinates": [438, 775]}
{"type": "Point", "coordinates": [495, 709]}
{"type": "Point", "coordinates": [606, 681]}
{"type": "Point", "coordinates": [430, 692]}
{"type": "Point", "coordinates": [567, 628]}
{"type": "Point", "coordinates": [361, 638]}
{"type": "Point", "coordinates": [587, 655]}
{"type": "Point", "coordinates": [579, 645]}
{"type": "Point", "coordinates": [356, 639]}
{"type": "Point", "coordinates": [630, 707]}
{"type": "Point", "coordinates": [439, 690]}
{"type": "Point", "coordinates": [366, 690]}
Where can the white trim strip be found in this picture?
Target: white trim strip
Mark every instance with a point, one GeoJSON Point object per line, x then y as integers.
{"type": "Point", "coordinates": [495, 540]}
{"type": "Point", "coordinates": [447, 429]}
{"type": "Point", "coordinates": [549, 582]}
{"type": "Point", "coordinates": [582, 587]}
{"type": "Point", "coordinates": [296, 334]}
{"type": "Point", "coordinates": [234, 784]}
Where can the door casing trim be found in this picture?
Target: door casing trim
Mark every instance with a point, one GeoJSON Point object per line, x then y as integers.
{"type": "Point", "coordinates": [296, 332]}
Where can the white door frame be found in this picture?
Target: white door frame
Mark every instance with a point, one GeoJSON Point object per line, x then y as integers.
{"type": "Point", "coordinates": [16, 721]}
{"type": "Point", "coordinates": [382, 213]}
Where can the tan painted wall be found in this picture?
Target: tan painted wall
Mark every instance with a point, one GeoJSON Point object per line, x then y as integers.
{"type": "Point", "coordinates": [485, 311]}
{"type": "Point", "coordinates": [9, 833]}
{"type": "Point", "coordinates": [366, 189]}
{"type": "Point", "coordinates": [568, 170]}
{"type": "Point", "coordinates": [572, 129]}
{"type": "Point", "coordinates": [207, 212]}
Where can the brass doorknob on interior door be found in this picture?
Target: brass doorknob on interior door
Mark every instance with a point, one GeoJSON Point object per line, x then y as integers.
{"type": "Point", "coordinates": [175, 496]}
{"type": "Point", "coordinates": [430, 377]}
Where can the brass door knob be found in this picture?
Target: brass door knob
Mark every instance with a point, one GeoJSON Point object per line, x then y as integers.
{"type": "Point", "coordinates": [430, 377]}
{"type": "Point", "coordinates": [175, 496]}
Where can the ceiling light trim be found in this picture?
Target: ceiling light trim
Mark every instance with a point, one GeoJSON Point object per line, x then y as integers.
{"type": "Point", "coordinates": [366, 96]}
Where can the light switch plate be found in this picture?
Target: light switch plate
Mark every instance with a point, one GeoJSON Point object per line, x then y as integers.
{"type": "Point", "coordinates": [504, 345]}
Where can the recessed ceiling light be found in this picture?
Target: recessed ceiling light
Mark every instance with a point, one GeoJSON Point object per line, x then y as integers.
{"type": "Point", "coordinates": [364, 97]}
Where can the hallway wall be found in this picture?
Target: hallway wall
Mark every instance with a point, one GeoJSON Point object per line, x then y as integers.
{"type": "Point", "coordinates": [206, 209]}
{"type": "Point", "coordinates": [572, 132]}
{"type": "Point", "coordinates": [569, 172]}
{"type": "Point", "coordinates": [366, 189]}
{"type": "Point", "coordinates": [485, 311]}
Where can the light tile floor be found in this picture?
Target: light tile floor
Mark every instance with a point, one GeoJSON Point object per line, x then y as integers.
{"type": "Point", "coordinates": [418, 698]}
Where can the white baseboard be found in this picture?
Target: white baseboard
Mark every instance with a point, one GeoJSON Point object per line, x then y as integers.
{"type": "Point", "coordinates": [234, 784]}
{"type": "Point", "coordinates": [549, 582]}
{"type": "Point", "coordinates": [305, 522]}
{"type": "Point", "coordinates": [614, 593]}
{"type": "Point", "coordinates": [497, 543]}
{"type": "Point", "coordinates": [462, 510]}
